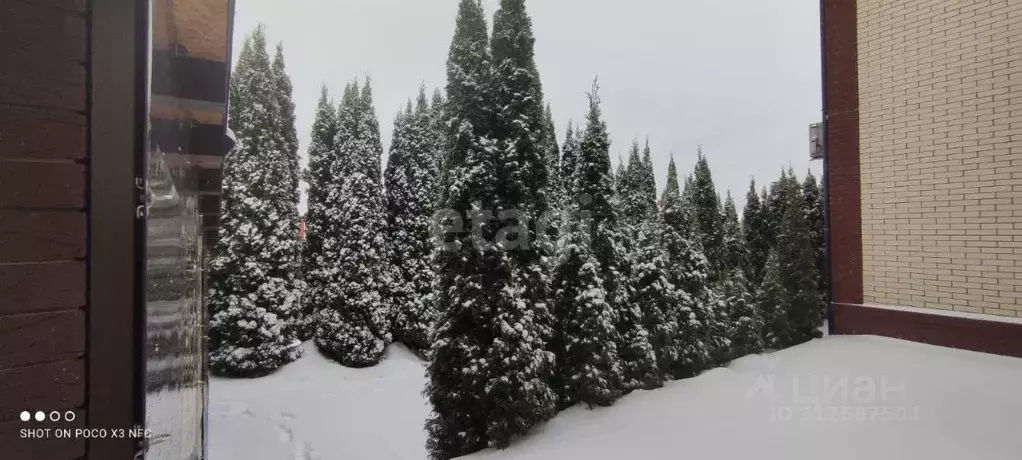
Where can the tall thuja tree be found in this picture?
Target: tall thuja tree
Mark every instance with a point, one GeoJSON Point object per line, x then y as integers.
{"type": "Point", "coordinates": [663, 303]}
{"type": "Point", "coordinates": [688, 206]}
{"type": "Point", "coordinates": [638, 360]}
{"type": "Point", "coordinates": [354, 327]}
{"type": "Point", "coordinates": [647, 188]}
{"type": "Point", "coordinates": [744, 325]}
{"type": "Point", "coordinates": [660, 300]}
{"type": "Point", "coordinates": [754, 229]}
{"type": "Point", "coordinates": [569, 162]}
{"type": "Point", "coordinates": [775, 203]}
{"type": "Point", "coordinates": [796, 254]}
{"type": "Point", "coordinates": [734, 253]}
{"type": "Point", "coordinates": [771, 302]}
{"type": "Point", "coordinates": [286, 106]}
{"type": "Point", "coordinates": [672, 202]}
{"type": "Point", "coordinates": [813, 203]}
{"type": "Point", "coordinates": [667, 310]}
{"type": "Point", "coordinates": [706, 216]}
{"type": "Point", "coordinates": [518, 393]}
{"type": "Point", "coordinates": [688, 189]}
{"type": "Point", "coordinates": [588, 364]}
{"type": "Point", "coordinates": [410, 181]}
{"type": "Point", "coordinates": [708, 227]}
{"type": "Point", "coordinates": [470, 273]}
{"type": "Point", "coordinates": [438, 144]}
{"type": "Point", "coordinates": [321, 154]}
{"type": "Point", "coordinates": [347, 127]}
{"type": "Point", "coordinates": [619, 177]}
{"type": "Point", "coordinates": [251, 300]}
{"type": "Point", "coordinates": [555, 184]}
{"type": "Point", "coordinates": [692, 314]}
{"type": "Point", "coordinates": [634, 208]}
{"type": "Point", "coordinates": [651, 288]}
{"type": "Point", "coordinates": [766, 213]}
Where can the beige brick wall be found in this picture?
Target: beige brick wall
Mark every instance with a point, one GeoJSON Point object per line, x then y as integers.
{"type": "Point", "coordinates": [940, 106]}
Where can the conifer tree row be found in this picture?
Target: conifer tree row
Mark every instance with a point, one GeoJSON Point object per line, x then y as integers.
{"type": "Point", "coordinates": [514, 326]}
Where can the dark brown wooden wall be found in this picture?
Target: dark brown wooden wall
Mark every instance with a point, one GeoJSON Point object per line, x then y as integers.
{"type": "Point", "coordinates": [43, 221]}
{"type": "Point", "coordinates": [841, 108]}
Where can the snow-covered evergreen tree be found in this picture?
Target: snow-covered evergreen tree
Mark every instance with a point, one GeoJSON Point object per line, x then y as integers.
{"type": "Point", "coordinates": [672, 204]}
{"type": "Point", "coordinates": [796, 254]}
{"type": "Point", "coordinates": [745, 326]}
{"type": "Point", "coordinates": [470, 279]}
{"type": "Point", "coordinates": [814, 218]}
{"type": "Point", "coordinates": [619, 180]}
{"type": "Point", "coordinates": [774, 204]}
{"type": "Point", "coordinates": [634, 206]}
{"type": "Point", "coordinates": [638, 187]}
{"type": "Point", "coordinates": [438, 144]}
{"type": "Point", "coordinates": [354, 327]}
{"type": "Point", "coordinates": [696, 317]}
{"type": "Point", "coordinates": [666, 308]}
{"type": "Point", "coordinates": [518, 392]}
{"type": "Point", "coordinates": [285, 104]}
{"type": "Point", "coordinates": [569, 162]}
{"type": "Point", "coordinates": [706, 215]}
{"type": "Point", "coordinates": [322, 153]}
{"type": "Point", "coordinates": [589, 368]}
{"type": "Point", "coordinates": [410, 181]}
{"type": "Point", "coordinates": [771, 301]}
{"type": "Point", "coordinates": [252, 299]}
{"type": "Point", "coordinates": [688, 207]}
{"type": "Point", "coordinates": [555, 185]}
{"type": "Point", "coordinates": [638, 361]}
{"type": "Point", "coordinates": [648, 188]}
{"type": "Point", "coordinates": [651, 290]}
{"type": "Point", "coordinates": [754, 229]}
{"type": "Point", "coordinates": [734, 252]}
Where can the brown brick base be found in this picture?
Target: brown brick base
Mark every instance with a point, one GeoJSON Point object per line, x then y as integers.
{"type": "Point", "coordinates": [989, 336]}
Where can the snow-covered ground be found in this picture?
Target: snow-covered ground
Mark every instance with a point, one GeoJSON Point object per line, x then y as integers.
{"type": "Point", "coordinates": [841, 397]}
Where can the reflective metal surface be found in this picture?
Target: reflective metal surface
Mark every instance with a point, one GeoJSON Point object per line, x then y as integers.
{"type": "Point", "coordinates": [175, 313]}
{"type": "Point", "coordinates": [189, 57]}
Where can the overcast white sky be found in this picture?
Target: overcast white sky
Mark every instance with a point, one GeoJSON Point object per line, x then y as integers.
{"type": "Point", "coordinates": [739, 77]}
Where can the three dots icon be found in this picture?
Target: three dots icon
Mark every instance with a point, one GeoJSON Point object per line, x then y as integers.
{"type": "Point", "coordinates": [53, 416]}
